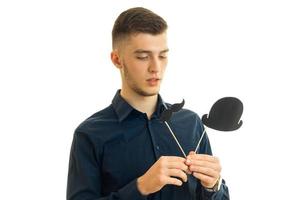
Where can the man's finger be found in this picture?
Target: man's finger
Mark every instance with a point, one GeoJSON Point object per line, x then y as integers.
{"type": "Point", "coordinates": [205, 170]}
{"type": "Point", "coordinates": [177, 173]}
{"type": "Point", "coordinates": [177, 165]}
{"type": "Point", "coordinates": [203, 157]}
{"type": "Point", "coordinates": [205, 164]}
{"type": "Point", "coordinates": [206, 181]}
{"type": "Point", "coordinates": [173, 181]}
{"type": "Point", "coordinates": [172, 159]}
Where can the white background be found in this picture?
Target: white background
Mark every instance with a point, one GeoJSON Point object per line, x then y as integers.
{"type": "Point", "coordinates": [55, 71]}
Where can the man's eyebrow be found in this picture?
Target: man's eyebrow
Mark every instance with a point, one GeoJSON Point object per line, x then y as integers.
{"type": "Point", "coordinates": [149, 52]}
{"type": "Point", "coordinates": [165, 51]}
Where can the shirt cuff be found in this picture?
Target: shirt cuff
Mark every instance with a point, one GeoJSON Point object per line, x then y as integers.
{"type": "Point", "coordinates": [130, 191]}
{"type": "Point", "coordinates": [209, 194]}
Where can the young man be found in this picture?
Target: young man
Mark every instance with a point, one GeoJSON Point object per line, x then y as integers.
{"type": "Point", "coordinates": [124, 151]}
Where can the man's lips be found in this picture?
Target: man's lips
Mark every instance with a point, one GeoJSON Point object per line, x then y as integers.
{"type": "Point", "coordinates": [153, 81]}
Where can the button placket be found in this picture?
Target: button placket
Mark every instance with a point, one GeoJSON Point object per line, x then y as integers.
{"type": "Point", "coordinates": [156, 147]}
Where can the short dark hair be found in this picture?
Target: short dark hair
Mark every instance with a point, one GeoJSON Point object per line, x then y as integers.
{"type": "Point", "coordinates": [137, 20]}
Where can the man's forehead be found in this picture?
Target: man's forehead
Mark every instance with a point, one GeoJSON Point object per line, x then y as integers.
{"type": "Point", "coordinates": [144, 42]}
{"type": "Point", "coordinates": [138, 51]}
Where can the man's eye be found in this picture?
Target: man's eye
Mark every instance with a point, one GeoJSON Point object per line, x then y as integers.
{"type": "Point", "coordinates": [142, 57]}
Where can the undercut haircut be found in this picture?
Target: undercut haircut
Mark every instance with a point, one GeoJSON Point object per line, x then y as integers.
{"type": "Point", "coordinates": [137, 20]}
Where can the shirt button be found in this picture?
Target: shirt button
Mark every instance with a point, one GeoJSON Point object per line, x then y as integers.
{"type": "Point", "coordinates": [157, 147]}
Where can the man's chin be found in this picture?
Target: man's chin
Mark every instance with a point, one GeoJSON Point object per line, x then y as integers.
{"type": "Point", "coordinates": [148, 93]}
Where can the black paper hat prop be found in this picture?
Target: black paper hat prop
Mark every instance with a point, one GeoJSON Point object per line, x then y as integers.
{"type": "Point", "coordinates": [224, 115]}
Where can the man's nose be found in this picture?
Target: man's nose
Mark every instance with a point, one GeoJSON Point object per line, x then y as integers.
{"type": "Point", "coordinates": [155, 65]}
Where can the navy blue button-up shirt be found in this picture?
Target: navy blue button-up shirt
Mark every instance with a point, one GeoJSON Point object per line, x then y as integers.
{"type": "Point", "coordinates": [118, 144]}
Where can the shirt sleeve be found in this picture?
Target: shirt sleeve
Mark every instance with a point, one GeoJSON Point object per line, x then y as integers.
{"type": "Point", "coordinates": [202, 193]}
{"type": "Point", "coordinates": [84, 176]}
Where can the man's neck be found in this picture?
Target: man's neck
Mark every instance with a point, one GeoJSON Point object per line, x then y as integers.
{"type": "Point", "coordinates": [144, 104]}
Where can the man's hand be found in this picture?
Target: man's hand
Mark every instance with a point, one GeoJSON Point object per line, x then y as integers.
{"type": "Point", "coordinates": [206, 168]}
{"type": "Point", "coordinates": [166, 170]}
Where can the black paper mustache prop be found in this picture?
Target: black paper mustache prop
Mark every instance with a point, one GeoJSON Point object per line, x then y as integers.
{"type": "Point", "coordinates": [224, 115]}
{"type": "Point", "coordinates": [166, 115]}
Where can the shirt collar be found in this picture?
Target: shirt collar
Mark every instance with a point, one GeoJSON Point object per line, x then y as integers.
{"type": "Point", "coordinates": [123, 109]}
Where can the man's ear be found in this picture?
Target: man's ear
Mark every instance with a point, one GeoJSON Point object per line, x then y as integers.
{"type": "Point", "coordinates": [115, 58]}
